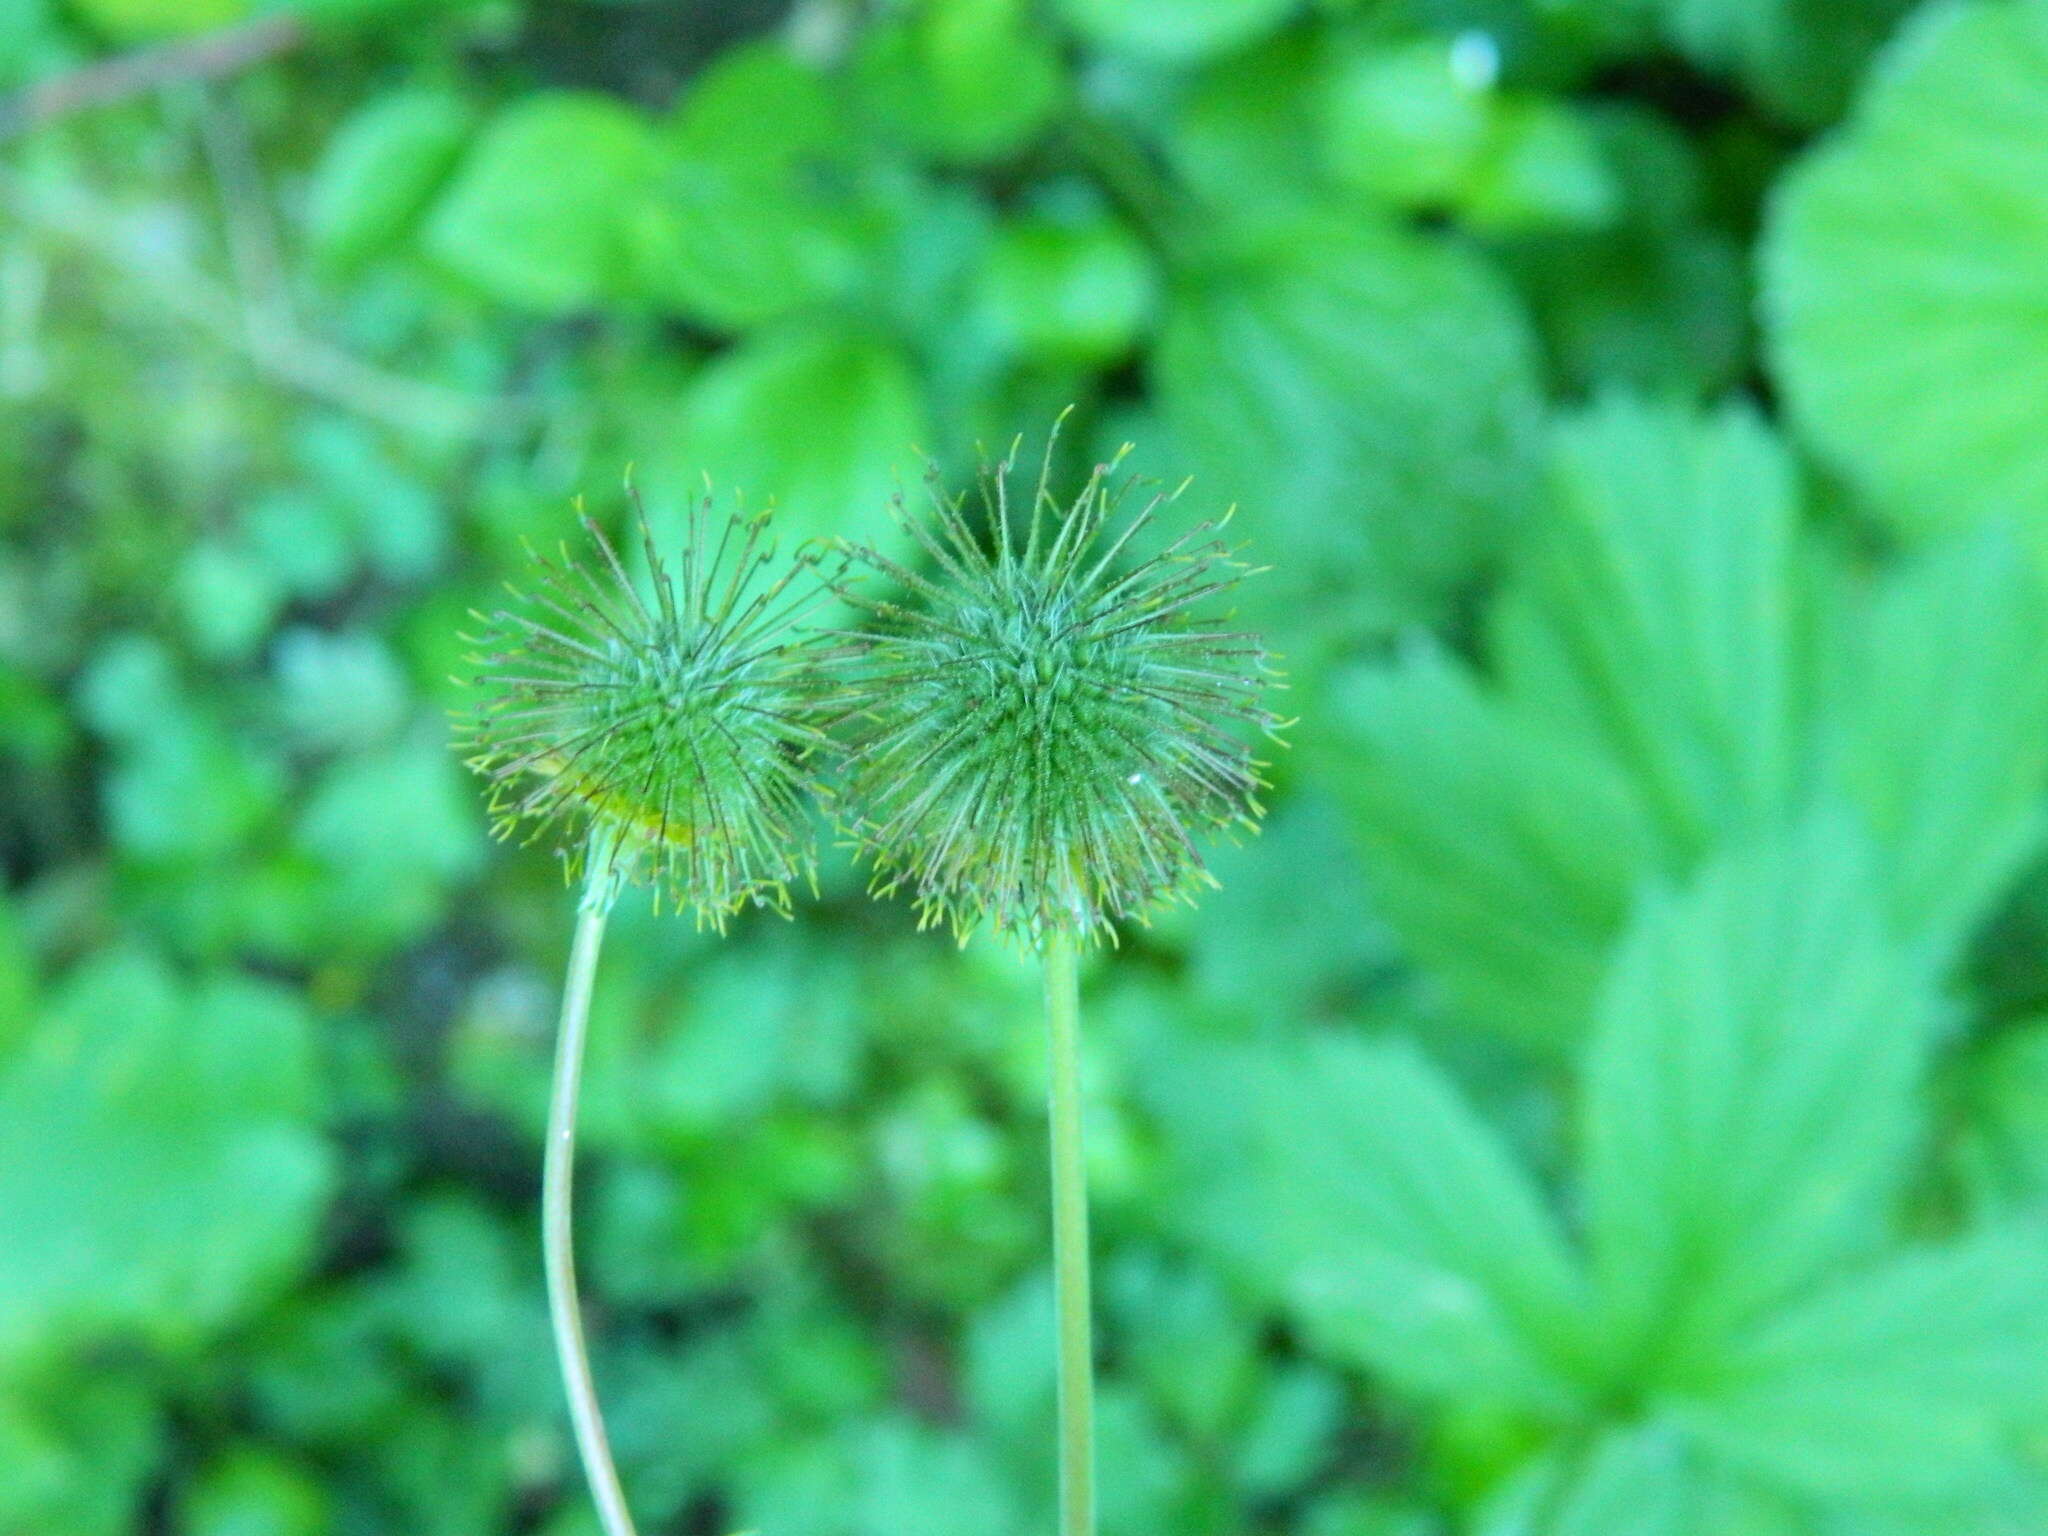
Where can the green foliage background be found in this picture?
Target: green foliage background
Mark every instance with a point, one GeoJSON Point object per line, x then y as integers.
{"type": "Point", "coordinates": [1610, 1100]}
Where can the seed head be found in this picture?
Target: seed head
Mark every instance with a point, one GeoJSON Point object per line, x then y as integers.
{"type": "Point", "coordinates": [665, 728]}
{"type": "Point", "coordinates": [1036, 736]}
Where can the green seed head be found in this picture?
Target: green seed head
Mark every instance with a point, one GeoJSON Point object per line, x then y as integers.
{"type": "Point", "coordinates": [1036, 737]}
{"type": "Point", "coordinates": [668, 725]}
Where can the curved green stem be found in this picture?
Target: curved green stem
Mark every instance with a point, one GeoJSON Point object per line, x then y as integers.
{"type": "Point", "coordinates": [1070, 1243]}
{"type": "Point", "coordinates": [558, 1179]}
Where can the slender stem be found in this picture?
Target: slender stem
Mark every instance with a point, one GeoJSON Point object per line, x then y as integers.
{"type": "Point", "coordinates": [1070, 1243]}
{"type": "Point", "coordinates": [557, 1190]}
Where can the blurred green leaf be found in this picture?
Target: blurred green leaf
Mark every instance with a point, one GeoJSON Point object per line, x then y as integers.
{"type": "Point", "coordinates": [1180, 30]}
{"type": "Point", "coordinates": [1246, 132]}
{"type": "Point", "coordinates": [1503, 852]}
{"type": "Point", "coordinates": [911, 1477]}
{"type": "Point", "coordinates": [1800, 57]}
{"type": "Point", "coordinates": [1905, 1383]}
{"type": "Point", "coordinates": [814, 415]}
{"type": "Point", "coordinates": [962, 80]}
{"type": "Point", "coordinates": [1750, 1097]}
{"type": "Point", "coordinates": [1358, 1188]}
{"type": "Point", "coordinates": [1939, 731]}
{"type": "Point", "coordinates": [388, 833]}
{"type": "Point", "coordinates": [78, 1459]}
{"type": "Point", "coordinates": [2002, 1143]}
{"type": "Point", "coordinates": [1629, 1482]}
{"type": "Point", "coordinates": [1921, 219]}
{"type": "Point", "coordinates": [379, 171]}
{"type": "Point", "coordinates": [158, 1163]}
{"type": "Point", "coordinates": [256, 1494]}
{"type": "Point", "coordinates": [1066, 292]}
{"type": "Point", "coordinates": [337, 691]}
{"type": "Point", "coordinates": [139, 21]}
{"type": "Point", "coordinates": [1369, 396]}
{"type": "Point", "coordinates": [227, 598]}
{"type": "Point", "coordinates": [1542, 168]}
{"type": "Point", "coordinates": [537, 213]}
{"type": "Point", "coordinates": [750, 214]}
{"type": "Point", "coordinates": [1661, 614]}
{"type": "Point", "coordinates": [1403, 124]}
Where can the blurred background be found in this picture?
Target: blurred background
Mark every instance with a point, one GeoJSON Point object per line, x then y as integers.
{"type": "Point", "coordinates": [1611, 1097]}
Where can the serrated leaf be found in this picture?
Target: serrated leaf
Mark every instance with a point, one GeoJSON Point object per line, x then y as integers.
{"type": "Point", "coordinates": [538, 214]}
{"type": "Point", "coordinates": [1659, 615]}
{"type": "Point", "coordinates": [1505, 854]}
{"type": "Point", "coordinates": [1369, 396]}
{"type": "Point", "coordinates": [1751, 1090]}
{"type": "Point", "coordinates": [1906, 276]}
{"type": "Point", "coordinates": [1357, 1189]}
{"type": "Point", "coordinates": [1939, 730]}
{"type": "Point", "coordinates": [158, 1164]}
{"type": "Point", "coordinates": [1909, 1382]}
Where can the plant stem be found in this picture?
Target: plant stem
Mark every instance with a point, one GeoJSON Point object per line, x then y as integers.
{"type": "Point", "coordinates": [557, 1192]}
{"type": "Point", "coordinates": [1070, 1243]}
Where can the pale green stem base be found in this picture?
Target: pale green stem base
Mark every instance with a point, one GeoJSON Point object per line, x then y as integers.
{"type": "Point", "coordinates": [1070, 1244]}
{"type": "Point", "coordinates": [558, 1179]}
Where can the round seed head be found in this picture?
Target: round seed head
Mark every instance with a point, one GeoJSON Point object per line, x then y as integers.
{"type": "Point", "coordinates": [666, 725]}
{"type": "Point", "coordinates": [1037, 734]}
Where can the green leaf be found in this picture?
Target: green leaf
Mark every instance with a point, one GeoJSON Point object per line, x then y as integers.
{"type": "Point", "coordinates": [388, 834]}
{"type": "Point", "coordinates": [257, 1493]}
{"type": "Point", "coordinates": [961, 80]}
{"type": "Point", "coordinates": [1906, 276]}
{"type": "Point", "coordinates": [1504, 853]}
{"type": "Point", "coordinates": [1660, 614]}
{"type": "Point", "coordinates": [1542, 168]}
{"type": "Point", "coordinates": [1369, 395]}
{"type": "Point", "coordinates": [79, 1455]}
{"type": "Point", "coordinates": [1073, 294]}
{"type": "Point", "coordinates": [539, 212]}
{"type": "Point", "coordinates": [1940, 730]}
{"type": "Point", "coordinates": [379, 170]}
{"type": "Point", "coordinates": [1799, 57]}
{"type": "Point", "coordinates": [1630, 1482]}
{"type": "Point", "coordinates": [749, 217]}
{"type": "Point", "coordinates": [912, 1477]}
{"type": "Point", "coordinates": [1909, 1382]}
{"type": "Point", "coordinates": [1751, 1095]}
{"type": "Point", "coordinates": [2001, 1150]}
{"type": "Point", "coordinates": [137, 21]}
{"type": "Point", "coordinates": [1353, 1185]}
{"type": "Point", "coordinates": [1247, 131]}
{"type": "Point", "coordinates": [158, 1164]}
{"type": "Point", "coordinates": [1177, 32]}
{"type": "Point", "coordinates": [1402, 124]}
{"type": "Point", "coordinates": [815, 415]}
